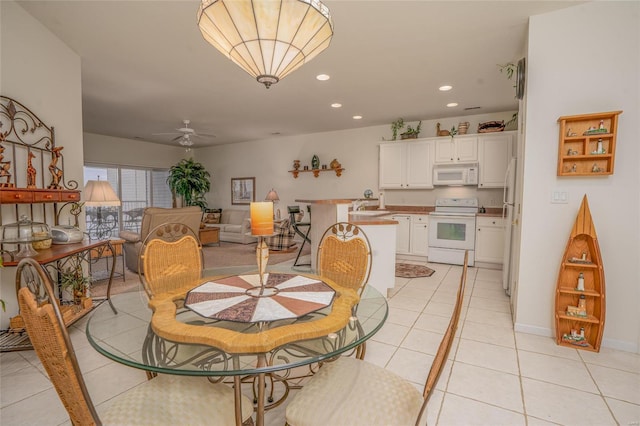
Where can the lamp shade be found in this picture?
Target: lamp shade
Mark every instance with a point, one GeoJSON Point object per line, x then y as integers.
{"type": "Point", "coordinates": [272, 196]}
{"type": "Point", "coordinates": [261, 218]}
{"type": "Point", "coordinates": [267, 38]}
{"type": "Point", "coordinates": [100, 193]}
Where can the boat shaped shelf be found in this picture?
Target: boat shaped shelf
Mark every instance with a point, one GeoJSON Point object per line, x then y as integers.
{"type": "Point", "coordinates": [580, 291]}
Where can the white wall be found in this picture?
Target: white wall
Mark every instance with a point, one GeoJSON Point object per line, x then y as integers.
{"type": "Point", "coordinates": [582, 59]}
{"type": "Point", "coordinates": [269, 161]}
{"type": "Point", "coordinates": [108, 150]}
{"type": "Point", "coordinates": [43, 74]}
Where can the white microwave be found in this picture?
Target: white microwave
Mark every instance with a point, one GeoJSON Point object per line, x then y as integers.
{"type": "Point", "coordinates": [455, 174]}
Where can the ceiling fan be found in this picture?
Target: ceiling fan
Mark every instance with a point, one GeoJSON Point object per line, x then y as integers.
{"type": "Point", "coordinates": [185, 133]}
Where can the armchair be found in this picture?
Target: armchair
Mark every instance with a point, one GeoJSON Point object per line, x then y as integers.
{"type": "Point", "coordinates": [282, 240]}
{"type": "Point", "coordinates": [152, 217]}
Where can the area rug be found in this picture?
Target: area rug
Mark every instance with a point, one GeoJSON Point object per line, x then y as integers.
{"type": "Point", "coordinates": [407, 270]}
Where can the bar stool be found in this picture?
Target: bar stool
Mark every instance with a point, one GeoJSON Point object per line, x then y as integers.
{"type": "Point", "coordinates": [299, 228]}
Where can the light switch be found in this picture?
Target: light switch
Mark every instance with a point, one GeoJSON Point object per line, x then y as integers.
{"type": "Point", "coordinates": [559, 197]}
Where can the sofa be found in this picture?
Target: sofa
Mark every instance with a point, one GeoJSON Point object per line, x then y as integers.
{"type": "Point", "coordinates": [152, 217]}
{"type": "Point", "coordinates": [234, 224]}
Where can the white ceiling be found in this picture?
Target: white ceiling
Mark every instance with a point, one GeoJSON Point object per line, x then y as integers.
{"type": "Point", "coordinates": [145, 67]}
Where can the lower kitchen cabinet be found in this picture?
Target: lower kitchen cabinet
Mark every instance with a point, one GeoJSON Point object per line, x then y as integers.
{"type": "Point", "coordinates": [411, 234]}
{"type": "Point", "coordinates": [419, 235]}
{"type": "Point", "coordinates": [489, 239]}
{"type": "Point", "coordinates": [403, 234]}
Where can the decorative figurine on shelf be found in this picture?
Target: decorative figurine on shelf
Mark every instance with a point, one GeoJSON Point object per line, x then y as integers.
{"type": "Point", "coordinates": [580, 282]}
{"type": "Point", "coordinates": [31, 172]}
{"type": "Point", "coordinates": [582, 304]}
{"type": "Point", "coordinates": [600, 149]}
{"type": "Point", "coordinates": [441, 132]}
{"type": "Point", "coordinates": [570, 133]}
{"type": "Point", "coordinates": [315, 162]}
{"type": "Point", "coordinates": [56, 172]}
{"type": "Point", "coordinates": [5, 167]}
{"type": "Point", "coordinates": [601, 127]}
{"type": "Point", "coordinates": [335, 164]}
{"type": "Point", "coordinates": [296, 164]}
{"type": "Point", "coordinates": [575, 338]}
{"type": "Point", "coordinates": [596, 168]}
{"type": "Point", "coordinates": [574, 168]}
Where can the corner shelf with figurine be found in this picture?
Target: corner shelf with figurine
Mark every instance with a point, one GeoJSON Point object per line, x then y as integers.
{"type": "Point", "coordinates": [580, 290]}
{"type": "Point", "coordinates": [587, 144]}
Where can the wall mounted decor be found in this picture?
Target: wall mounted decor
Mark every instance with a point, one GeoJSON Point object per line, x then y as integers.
{"type": "Point", "coordinates": [243, 190]}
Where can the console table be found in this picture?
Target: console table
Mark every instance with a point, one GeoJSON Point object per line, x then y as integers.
{"type": "Point", "coordinates": [59, 257]}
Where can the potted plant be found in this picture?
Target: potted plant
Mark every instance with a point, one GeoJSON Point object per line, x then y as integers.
{"type": "Point", "coordinates": [73, 280]}
{"type": "Point", "coordinates": [396, 126]}
{"type": "Point", "coordinates": [411, 133]}
{"type": "Point", "coordinates": [189, 180]}
{"type": "Point", "coordinates": [510, 69]}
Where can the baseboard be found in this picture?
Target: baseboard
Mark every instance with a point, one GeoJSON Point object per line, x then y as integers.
{"type": "Point", "coordinates": [531, 329]}
{"type": "Point", "coordinates": [620, 345]}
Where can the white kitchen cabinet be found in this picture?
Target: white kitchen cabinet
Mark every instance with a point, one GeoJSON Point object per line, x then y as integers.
{"type": "Point", "coordinates": [403, 234]}
{"type": "Point", "coordinates": [406, 165]}
{"type": "Point", "coordinates": [419, 235]}
{"type": "Point", "coordinates": [489, 239]}
{"type": "Point", "coordinates": [494, 152]}
{"type": "Point", "coordinates": [457, 149]}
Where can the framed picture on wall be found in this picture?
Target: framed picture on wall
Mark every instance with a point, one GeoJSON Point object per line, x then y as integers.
{"type": "Point", "coordinates": [243, 190]}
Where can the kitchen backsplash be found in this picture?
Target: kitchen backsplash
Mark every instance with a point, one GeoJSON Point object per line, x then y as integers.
{"type": "Point", "coordinates": [427, 197]}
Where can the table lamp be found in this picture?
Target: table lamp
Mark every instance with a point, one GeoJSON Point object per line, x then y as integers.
{"type": "Point", "coordinates": [273, 197]}
{"type": "Point", "coordinates": [99, 193]}
{"type": "Point", "coordinates": [261, 226]}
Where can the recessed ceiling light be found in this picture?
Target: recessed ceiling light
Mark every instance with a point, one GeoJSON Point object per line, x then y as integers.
{"type": "Point", "coordinates": [445, 88]}
{"type": "Point", "coordinates": [357, 117]}
{"type": "Point", "coordinates": [336, 105]}
{"type": "Point", "coordinates": [323, 77]}
{"type": "Point", "coordinates": [452, 104]}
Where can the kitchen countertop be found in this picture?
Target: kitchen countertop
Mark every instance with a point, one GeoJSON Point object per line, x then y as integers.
{"type": "Point", "coordinates": [391, 210]}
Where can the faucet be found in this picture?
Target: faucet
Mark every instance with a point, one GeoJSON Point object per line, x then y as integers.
{"type": "Point", "coordinates": [358, 205]}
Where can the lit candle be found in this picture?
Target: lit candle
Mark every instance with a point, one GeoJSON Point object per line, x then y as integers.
{"type": "Point", "coordinates": [262, 218]}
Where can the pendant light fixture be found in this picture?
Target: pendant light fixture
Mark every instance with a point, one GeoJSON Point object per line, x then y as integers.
{"type": "Point", "coordinates": [267, 38]}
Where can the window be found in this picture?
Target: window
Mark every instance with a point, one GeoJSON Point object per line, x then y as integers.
{"type": "Point", "coordinates": [137, 188]}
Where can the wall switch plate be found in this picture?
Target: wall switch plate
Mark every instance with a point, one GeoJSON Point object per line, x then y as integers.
{"type": "Point", "coordinates": [559, 197]}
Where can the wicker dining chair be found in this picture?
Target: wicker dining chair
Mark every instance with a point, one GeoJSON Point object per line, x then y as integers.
{"type": "Point", "coordinates": [171, 258]}
{"type": "Point", "coordinates": [354, 392]}
{"type": "Point", "coordinates": [164, 400]}
{"type": "Point", "coordinates": [344, 256]}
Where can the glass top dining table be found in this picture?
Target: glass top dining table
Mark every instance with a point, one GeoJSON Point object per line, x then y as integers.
{"type": "Point", "coordinates": [132, 337]}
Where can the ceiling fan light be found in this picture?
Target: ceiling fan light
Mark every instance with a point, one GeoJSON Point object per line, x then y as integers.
{"type": "Point", "coordinates": [269, 39]}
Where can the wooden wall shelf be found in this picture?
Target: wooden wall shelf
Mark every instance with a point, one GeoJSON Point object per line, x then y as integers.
{"type": "Point", "coordinates": [578, 153]}
{"type": "Point", "coordinates": [30, 196]}
{"type": "Point", "coordinates": [316, 172]}
{"type": "Point", "coordinates": [582, 332]}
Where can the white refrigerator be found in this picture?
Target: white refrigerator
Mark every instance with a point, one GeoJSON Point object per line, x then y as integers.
{"type": "Point", "coordinates": [508, 205]}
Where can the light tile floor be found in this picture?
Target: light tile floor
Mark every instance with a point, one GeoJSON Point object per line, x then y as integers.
{"type": "Point", "coordinates": [494, 376]}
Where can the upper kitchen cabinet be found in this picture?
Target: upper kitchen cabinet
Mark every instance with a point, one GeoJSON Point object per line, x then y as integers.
{"type": "Point", "coordinates": [494, 152]}
{"type": "Point", "coordinates": [406, 165]}
{"type": "Point", "coordinates": [457, 149]}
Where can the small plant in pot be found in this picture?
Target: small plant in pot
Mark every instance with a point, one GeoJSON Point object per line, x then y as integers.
{"type": "Point", "coordinates": [412, 133]}
{"type": "Point", "coordinates": [74, 281]}
{"type": "Point", "coordinates": [190, 180]}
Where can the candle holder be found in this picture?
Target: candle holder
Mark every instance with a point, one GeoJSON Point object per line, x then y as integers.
{"type": "Point", "coordinates": [262, 226]}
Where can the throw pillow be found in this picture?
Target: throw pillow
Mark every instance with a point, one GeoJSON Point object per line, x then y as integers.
{"type": "Point", "coordinates": [212, 218]}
